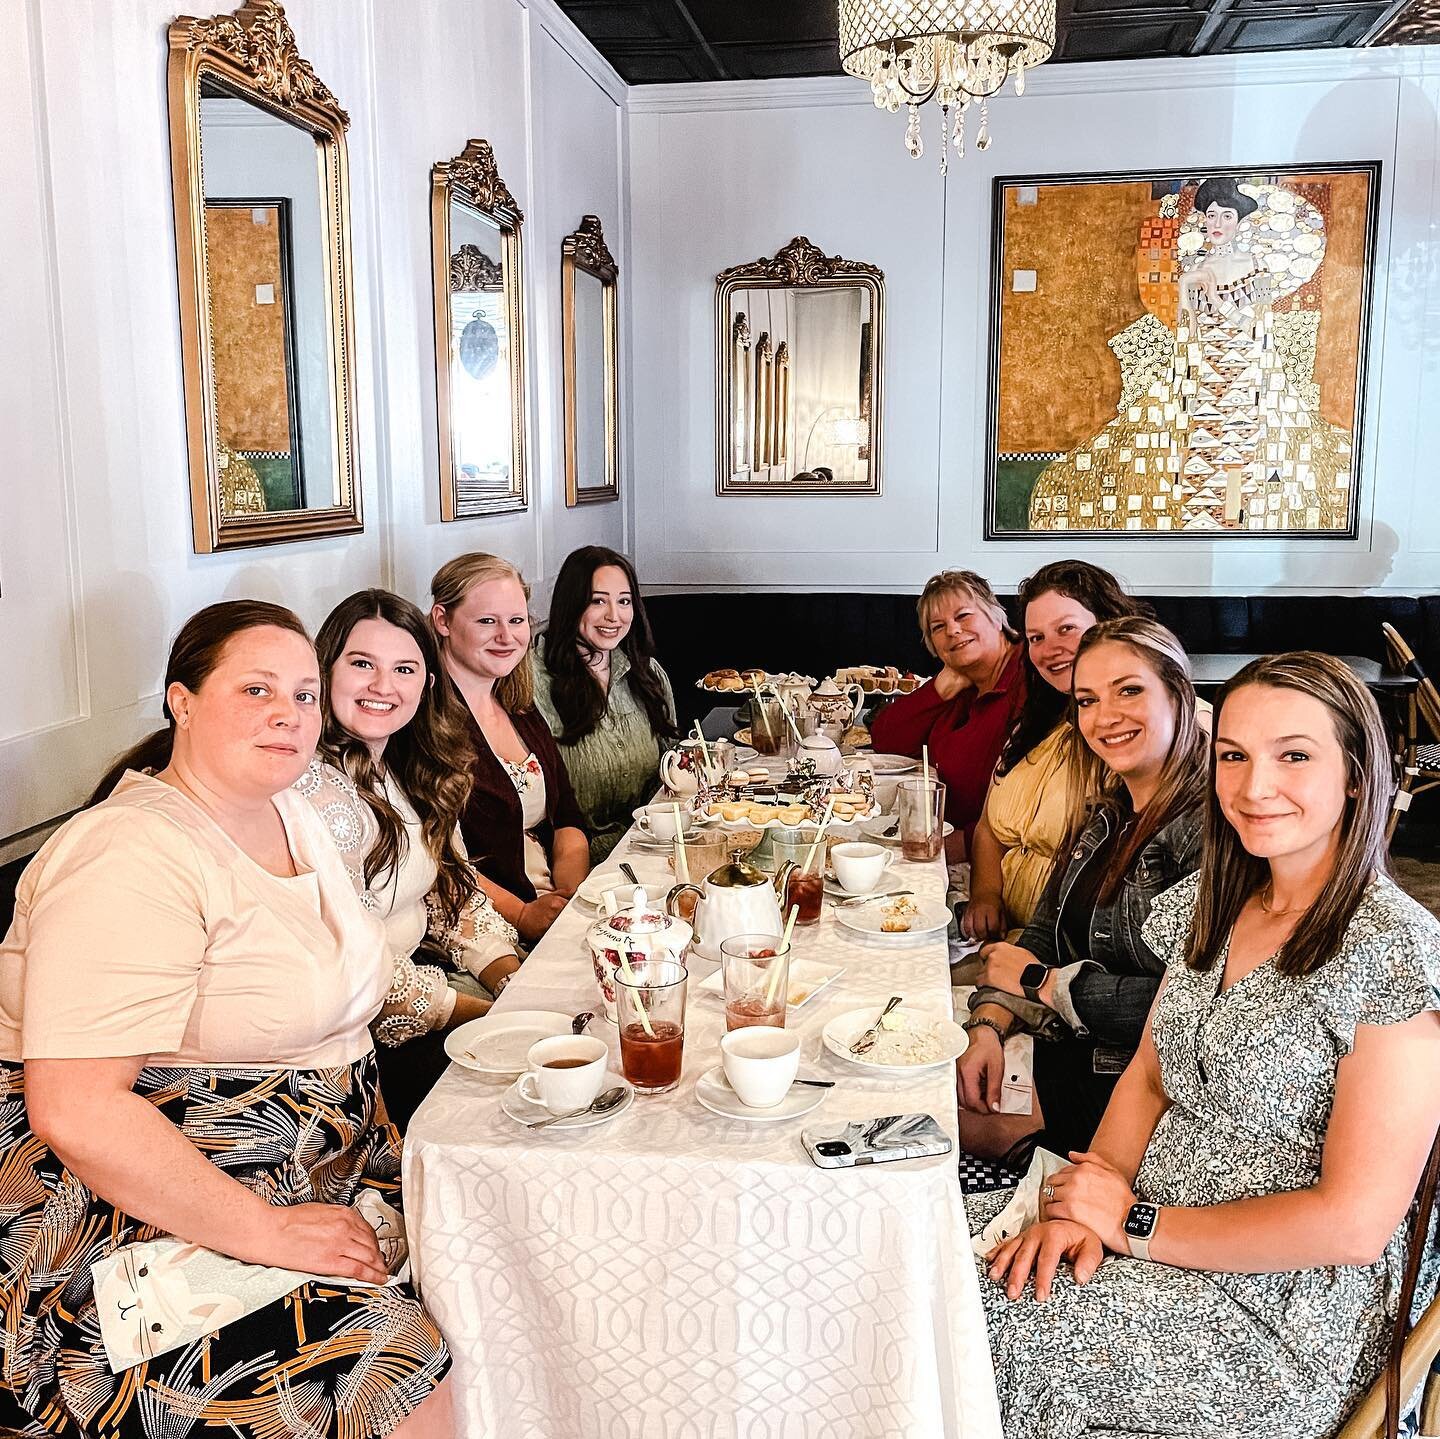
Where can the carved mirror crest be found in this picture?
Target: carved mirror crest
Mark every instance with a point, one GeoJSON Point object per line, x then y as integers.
{"type": "Point", "coordinates": [588, 275]}
{"type": "Point", "coordinates": [799, 365]}
{"type": "Point", "coordinates": [262, 235]}
{"type": "Point", "coordinates": [479, 336]}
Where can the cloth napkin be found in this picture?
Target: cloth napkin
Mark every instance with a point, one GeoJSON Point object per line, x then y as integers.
{"type": "Point", "coordinates": [1023, 1209]}
{"type": "Point", "coordinates": [155, 1296]}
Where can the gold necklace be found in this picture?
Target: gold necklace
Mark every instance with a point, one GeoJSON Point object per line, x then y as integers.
{"type": "Point", "coordinates": [1294, 909]}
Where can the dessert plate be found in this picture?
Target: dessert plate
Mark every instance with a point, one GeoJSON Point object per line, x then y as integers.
{"type": "Point", "coordinates": [807, 979]}
{"type": "Point", "coordinates": [920, 1040]}
{"type": "Point", "coordinates": [930, 917]}
{"type": "Point", "coordinates": [498, 1043]}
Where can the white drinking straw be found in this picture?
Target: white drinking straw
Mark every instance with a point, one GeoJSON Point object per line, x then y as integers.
{"type": "Point", "coordinates": [778, 963]}
{"type": "Point", "coordinates": [761, 717]}
{"type": "Point", "coordinates": [925, 794]}
{"type": "Point", "coordinates": [704, 748]}
{"type": "Point", "coordinates": [635, 994]}
{"type": "Point", "coordinates": [682, 865]}
{"type": "Point", "coordinates": [790, 719]}
{"type": "Point", "coordinates": [825, 819]}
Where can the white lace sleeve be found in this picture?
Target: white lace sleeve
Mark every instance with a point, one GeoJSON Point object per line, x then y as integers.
{"type": "Point", "coordinates": [419, 999]}
{"type": "Point", "coordinates": [478, 937]}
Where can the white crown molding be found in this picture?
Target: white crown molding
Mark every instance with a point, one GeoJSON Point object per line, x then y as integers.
{"type": "Point", "coordinates": [1087, 78]}
{"type": "Point", "coordinates": [563, 30]}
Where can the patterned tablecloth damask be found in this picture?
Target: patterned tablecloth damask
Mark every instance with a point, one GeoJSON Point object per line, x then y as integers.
{"type": "Point", "coordinates": [674, 1273]}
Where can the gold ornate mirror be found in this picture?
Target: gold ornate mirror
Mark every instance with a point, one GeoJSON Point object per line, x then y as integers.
{"type": "Point", "coordinates": [479, 336]}
{"type": "Point", "coordinates": [799, 365]}
{"type": "Point", "coordinates": [262, 237]}
{"type": "Point", "coordinates": [588, 273]}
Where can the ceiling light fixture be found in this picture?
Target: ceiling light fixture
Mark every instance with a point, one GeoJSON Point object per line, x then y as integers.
{"type": "Point", "coordinates": [956, 52]}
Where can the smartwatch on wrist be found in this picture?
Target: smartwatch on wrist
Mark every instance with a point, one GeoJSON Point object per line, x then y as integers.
{"type": "Point", "coordinates": [1139, 1229]}
{"type": "Point", "coordinates": [1031, 978]}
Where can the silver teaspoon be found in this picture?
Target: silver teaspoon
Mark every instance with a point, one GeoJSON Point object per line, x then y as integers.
{"type": "Point", "coordinates": [602, 1104]}
{"type": "Point", "coordinates": [577, 1025]}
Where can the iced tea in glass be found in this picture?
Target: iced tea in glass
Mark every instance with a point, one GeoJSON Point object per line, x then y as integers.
{"type": "Point", "coordinates": [754, 992]}
{"type": "Point", "coordinates": [650, 1008]}
{"type": "Point", "coordinates": [922, 818]}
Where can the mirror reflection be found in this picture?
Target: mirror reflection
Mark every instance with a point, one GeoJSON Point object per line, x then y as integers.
{"type": "Point", "coordinates": [588, 278]}
{"type": "Point", "coordinates": [799, 340]}
{"type": "Point", "coordinates": [479, 336]}
{"type": "Point", "coordinates": [269, 308]}
{"type": "Point", "coordinates": [479, 346]}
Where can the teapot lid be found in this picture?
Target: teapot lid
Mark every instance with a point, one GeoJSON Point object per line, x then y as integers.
{"type": "Point", "coordinates": [828, 686]}
{"type": "Point", "coordinates": [736, 873]}
{"type": "Point", "coordinates": [639, 917]}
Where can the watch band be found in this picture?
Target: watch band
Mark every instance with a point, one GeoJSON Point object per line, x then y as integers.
{"type": "Point", "coordinates": [1140, 1229]}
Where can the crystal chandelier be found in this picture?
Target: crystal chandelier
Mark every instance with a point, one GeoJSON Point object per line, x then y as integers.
{"type": "Point", "coordinates": [956, 52]}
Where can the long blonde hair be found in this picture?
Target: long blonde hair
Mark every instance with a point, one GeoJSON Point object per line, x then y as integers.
{"type": "Point", "coordinates": [452, 582]}
{"type": "Point", "coordinates": [1182, 777]}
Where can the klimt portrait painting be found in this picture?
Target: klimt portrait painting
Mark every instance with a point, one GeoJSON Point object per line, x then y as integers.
{"type": "Point", "coordinates": [1180, 353]}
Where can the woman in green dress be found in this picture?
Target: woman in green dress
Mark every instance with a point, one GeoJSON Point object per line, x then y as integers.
{"type": "Point", "coordinates": [602, 691]}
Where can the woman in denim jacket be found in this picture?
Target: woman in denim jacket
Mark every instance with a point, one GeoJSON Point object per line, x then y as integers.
{"type": "Point", "coordinates": [1081, 978]}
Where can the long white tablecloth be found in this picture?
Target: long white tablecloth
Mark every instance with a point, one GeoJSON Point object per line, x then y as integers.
{"type": "Point", "coordinates": [679, 1274]}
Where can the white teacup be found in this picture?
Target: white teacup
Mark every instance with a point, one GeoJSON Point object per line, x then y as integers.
{"type": "Point", "coordinates": [564, 1072]}
{"type": "Point", "coordinates": [859, 865]}
{"type": "Point", "coordinates": [761, 1064]}
{"type": "Point", "coordinates": [659, 819]}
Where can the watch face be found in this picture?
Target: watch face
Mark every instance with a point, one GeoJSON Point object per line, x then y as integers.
{"type": "Point", "coordinates": [1140, 1222]}
{"type": "Point", "coordinates": [1033, 976]}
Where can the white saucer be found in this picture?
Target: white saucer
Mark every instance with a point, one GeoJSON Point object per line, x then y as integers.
{"type": "Point", "coordinates": [887, 881]}
{"type": "Point", "coordinates": [498, 1043]}
{"type": "Point", "coordinates": [893, 763]}
{"type": "Point", "coordinates": [875, 829]}
{"type": "Point", "coordinates": [655, 879]}
{"type": "Point", "coordinates": [807, 979]}
{"type": "Point", "coordinates": [713, 1091]}
{"type": "Point", "coordinates": [523, 1112]}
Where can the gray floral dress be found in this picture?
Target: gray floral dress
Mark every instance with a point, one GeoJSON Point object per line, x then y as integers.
{"type": "Point", "coordinates": [1144, 1349]}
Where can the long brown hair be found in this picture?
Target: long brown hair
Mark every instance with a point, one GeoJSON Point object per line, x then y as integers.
{"type": "Point", "coordinates": [1182, 776]}
{"type": "Point", "coordinates": [453, 581]}
{"type": "Point", "coordinates": [430, 759]}
{"type": "Point", "coordinates": [579, 700]}
{"type": "Point", "coordinates": [194, 653]}
{"type": "Point", "coordinates": [1045, 706]}
{"type": "Point", "coordinates": [1230, 874]}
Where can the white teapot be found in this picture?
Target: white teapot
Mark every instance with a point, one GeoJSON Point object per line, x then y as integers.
{"type": "Point", "coordinates": [636, 931]}
{"type": "Point", "coordinates": [735, 899]}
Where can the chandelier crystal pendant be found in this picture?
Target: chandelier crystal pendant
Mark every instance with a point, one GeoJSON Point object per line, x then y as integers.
{"type": "Point", "coordinates": [955, 52]}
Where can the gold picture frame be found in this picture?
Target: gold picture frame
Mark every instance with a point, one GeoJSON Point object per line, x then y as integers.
{"type": "Point", "coordinates": [468, 192]}
{"type": "Point", "coordinates": [584, 252]}
{"type": "Point", "coordinates": [763, 383]}
{"type": "Point", "coordinates": [251, 56]}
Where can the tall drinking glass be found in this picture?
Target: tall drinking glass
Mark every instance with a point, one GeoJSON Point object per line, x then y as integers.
{"type": "Point", "coordinates": [755, 993]}
{"type": "Point", "coordinates": [769, 729]}
{"type": "Point", "coordinates": [650, 1005]}
{"type": "Point", "coordinates": [922, 817]}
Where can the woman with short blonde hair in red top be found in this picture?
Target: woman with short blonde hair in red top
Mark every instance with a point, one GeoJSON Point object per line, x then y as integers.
{"type": "Point", "coordinates": [964, 714]}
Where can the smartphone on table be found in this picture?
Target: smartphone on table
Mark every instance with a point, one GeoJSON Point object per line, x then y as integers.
{"type": "Point", "coordinates": [876, 1141]}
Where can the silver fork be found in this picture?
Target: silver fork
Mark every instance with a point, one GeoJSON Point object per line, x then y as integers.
{"type": "Point", "coordinates": [866, 1042]}
{"type": "Point", "coordinates": [860, 899]}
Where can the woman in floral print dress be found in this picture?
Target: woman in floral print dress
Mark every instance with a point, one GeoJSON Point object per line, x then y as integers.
{"type": "Point", "coordinates": [1277, 1116]}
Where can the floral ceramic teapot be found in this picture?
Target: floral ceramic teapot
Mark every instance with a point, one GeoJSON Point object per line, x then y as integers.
{"type": "Point", "coordinates": [832, 704]}
{"type": "Point", "coordinates": [638, 931]}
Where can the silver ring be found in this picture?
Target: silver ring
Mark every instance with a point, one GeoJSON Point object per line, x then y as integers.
{"type": "Point", "coordinates": [1048, 1191]}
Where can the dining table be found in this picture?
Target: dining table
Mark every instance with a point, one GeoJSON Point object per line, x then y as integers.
{"type": "Point", "coordinates": [675, 1272]}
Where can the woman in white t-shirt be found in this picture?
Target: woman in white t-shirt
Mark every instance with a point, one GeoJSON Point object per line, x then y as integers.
{"type": "Point", "coordinates": [391, 781]}
{"type": "Point", "coordinates": [185, 1001]}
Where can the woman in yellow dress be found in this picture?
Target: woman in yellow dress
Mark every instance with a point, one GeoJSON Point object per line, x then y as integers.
{"type": "Point", "coordinates": [1219, 424]}
{"type": "Point", "coordinates": [1028, 807]}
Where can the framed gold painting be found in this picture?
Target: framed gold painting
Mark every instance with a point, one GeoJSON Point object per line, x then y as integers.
{"type": "Point", "coordinates": [1180, 353]}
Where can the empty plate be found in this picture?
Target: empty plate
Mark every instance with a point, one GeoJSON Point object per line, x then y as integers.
{"type": "Point", "coordinates": [498, 1043]}
{"type": "Point", "coordinates": [893, 763]}
{"type": "Point", "coordinates": [713, 1090]}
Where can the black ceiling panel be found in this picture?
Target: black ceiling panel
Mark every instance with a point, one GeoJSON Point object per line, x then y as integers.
{"type": "Point", "coordinates": [656, 42]}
